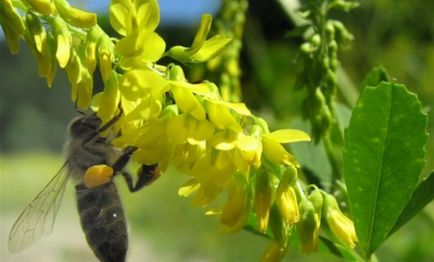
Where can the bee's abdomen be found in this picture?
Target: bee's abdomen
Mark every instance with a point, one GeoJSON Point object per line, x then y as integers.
{"type": "Point", "coordinates": [103, 221]}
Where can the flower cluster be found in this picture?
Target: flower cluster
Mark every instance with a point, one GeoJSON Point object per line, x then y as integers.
{"type": "Point", "coordinates": [220, 145]}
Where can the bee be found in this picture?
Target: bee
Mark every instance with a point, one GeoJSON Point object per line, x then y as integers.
{"type": "Point", "coordinates": [99, 206]}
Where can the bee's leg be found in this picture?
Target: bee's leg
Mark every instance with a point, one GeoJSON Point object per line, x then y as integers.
{"type": "Point", "coordinates": [111, 122]}
{"type": "Point", "coordinates": [122, 161]}
{"type": "Point", "coordinates": [147, 174]}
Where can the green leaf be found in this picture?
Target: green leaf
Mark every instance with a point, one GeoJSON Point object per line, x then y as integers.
{"type": "Point", "coordinates": [421, 197]}
{"type": "Point", "coordinates": [383, 157]}
{"type": "Point", "coordinates": [376, 76]}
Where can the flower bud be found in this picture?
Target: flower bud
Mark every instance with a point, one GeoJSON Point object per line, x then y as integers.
{"type": "Point", "coordinates": [317, 200]}
{"type": "Point", "coordinates": [263, 199]}
{"type": "Point", "coordinates": [44, 7]}
{"type": "Point", "coordinates": [12, 25]}
{"type": "Point", "coordinates": [340, 225]}
{"type": "Point", "coordinates": [37, 32]}
{"type": "Point", "coordinates": [308, 226]}
{"type": "Point", "coordinates": [92, 40]}
{"type": "Point", "coordinates": [274, 252]}
{"type": "Point", "coordinates": [286, 198]}
{"type": "Point", "coordinates": [74, 16]}
{"type": "Point", "coordinates": [105, 57]}
{"type": "Point", "coordinates": [235, 212]}
{"type": "Point", "coordinates": [63, 40]}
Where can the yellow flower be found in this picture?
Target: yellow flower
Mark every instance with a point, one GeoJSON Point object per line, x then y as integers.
{"type": "Point", "coordinates": [274, 252]}
{"type": "Point", "coordinates": [44, 7]}
{"type": "Point", "coordinates": [47, 64]}
{"type": "Point", "coordinates": [82, 92]}
{"type": "Point", "coordinates": [128, 17]}
{"type": "Point", "coordinates": [286, 198]}
{"type": "Point", "coordinates": [245, 150]}
{"type": "Point", "coordinates": [136, 21]}
{"type": "Point", "coordinates": [340, 225]}
{"type": "Point", "coordinates": [139, 49]}
{"type": "Point", "coordinates": [308, 226]}
{"type": "Point", "coordinates": [185, 128]}
{"type": "Point", "coordinates": [186, 155]}
{"type": "Point", "coordinates": [201, 50]}
{"type": "Point", "coordinates": [187, 102]}
{"type": "Point", "coordinates": [74, 68]}
{"type": "Point", "coordinates": [287, 203]}
{"type": "Point", "coordinates": [74, 16]}
{"type": "Point", "coordinates": [37, 32]}
{"type": "Point", "coordinates": [273, 149]}
{"type": "Point", "coordinates": [105, 57]}
{"type": "Point", "coordinates": [236, 209]}
{"type": "Point", "coordinates": [63, 41]}
{"type": "Point", "coordinates": [142, 93]}
{"type": "Point", "coordinates": [150, 138]}
{"type": "Point", "coordinates": [12, 25]}
{"type": "Point", "coordinates": [106, 103]}
{"type": "Point", "coordinates": [92, 41]}
{"type": "Point", "coordinates": [224, 115]}
{"type": "Point", "coordinates": [263, 198]}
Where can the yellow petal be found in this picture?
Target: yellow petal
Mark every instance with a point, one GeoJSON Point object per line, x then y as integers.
{"type": "Point", "coordinates": [63, 50]}
{"type": "Point", "coordinates": [211, 48]}
{"type": "Point", "coordinates": [187, 102]}
{"type": "Point", "coordinates": [247, 143]}
{"type": "Point", "coordinates": [276, 152]}
{"type": "Point", "coordinates": [148, 14]}
{"type": "Point", "coordinates": [240, 108]}
{"type": "Point", "coordinates": [288, 136]}
{"type": "Point", "coordinates": [119, 18]}
{"type": "Point", "coordinates": [177, 129]}
{"type": "Point", "coordinates": [200, 130]}
{"type": "Point", "coordinates": [190, 187]}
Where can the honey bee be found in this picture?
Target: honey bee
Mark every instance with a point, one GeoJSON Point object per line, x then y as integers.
{"type": "Point", "coordinates": [100, 208]}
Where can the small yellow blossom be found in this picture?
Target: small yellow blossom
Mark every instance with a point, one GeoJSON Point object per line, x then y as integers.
{"type": "Point", "coordinates": [74, 16]}
{"type": "Point", "coordinates": [136, 21]}
{"type": "Point", "coordinates": [37, 32]}
{"type": "Point", "coordinates": [185, 128]}
{"type": "Point", "coordinates": [308, 226]}
{"type": "Point", "coordinates": [274, 252]}
{"type": "Point", "coordinates": [106, 103]}
{"type": "Point", "coordinates": [263, 198]}
{"type": "Point", "coordinates": [235, 212]}
{"type": "Point", "coordinates": [273, 149]}
{"type": "Point", "coordinates": [81, 92]}
{"type": "Point", "coordinates": [105, 57]}
{"type": "Point", "coordinates": [128, 17]}
{"type": "Point", "coordinates": [45, 7]}
{"type": "Point", "coordinates": [201, 50]}
{"type": "Point", "coordinates": [286, 201]}
{"type": "Point", "coordinates": [12, 25]}
{"type": "Point", "coordinates": [63, 42]}
{"type": "Point", "coordinates": [340, 225]}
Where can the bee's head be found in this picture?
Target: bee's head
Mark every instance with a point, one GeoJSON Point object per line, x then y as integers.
{"type": "Point", "coordinates": [84, 126]}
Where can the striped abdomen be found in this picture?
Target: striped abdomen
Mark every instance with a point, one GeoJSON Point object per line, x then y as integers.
{"type": "Point", "coordinates": [103, 221]}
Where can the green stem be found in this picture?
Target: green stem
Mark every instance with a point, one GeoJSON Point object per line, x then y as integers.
{"type": "Point", "coordinates": [334, 161]}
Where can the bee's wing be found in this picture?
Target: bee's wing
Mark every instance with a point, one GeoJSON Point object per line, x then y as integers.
{"type": "Point", "coordinates": [38, 217]}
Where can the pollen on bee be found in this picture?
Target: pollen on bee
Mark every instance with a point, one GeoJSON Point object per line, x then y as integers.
{"type": "Point", "coordinates": [97, 175]}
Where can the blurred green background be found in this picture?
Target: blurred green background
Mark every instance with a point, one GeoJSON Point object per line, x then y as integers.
{"type": "Point", "coordinates": [164, 227]}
